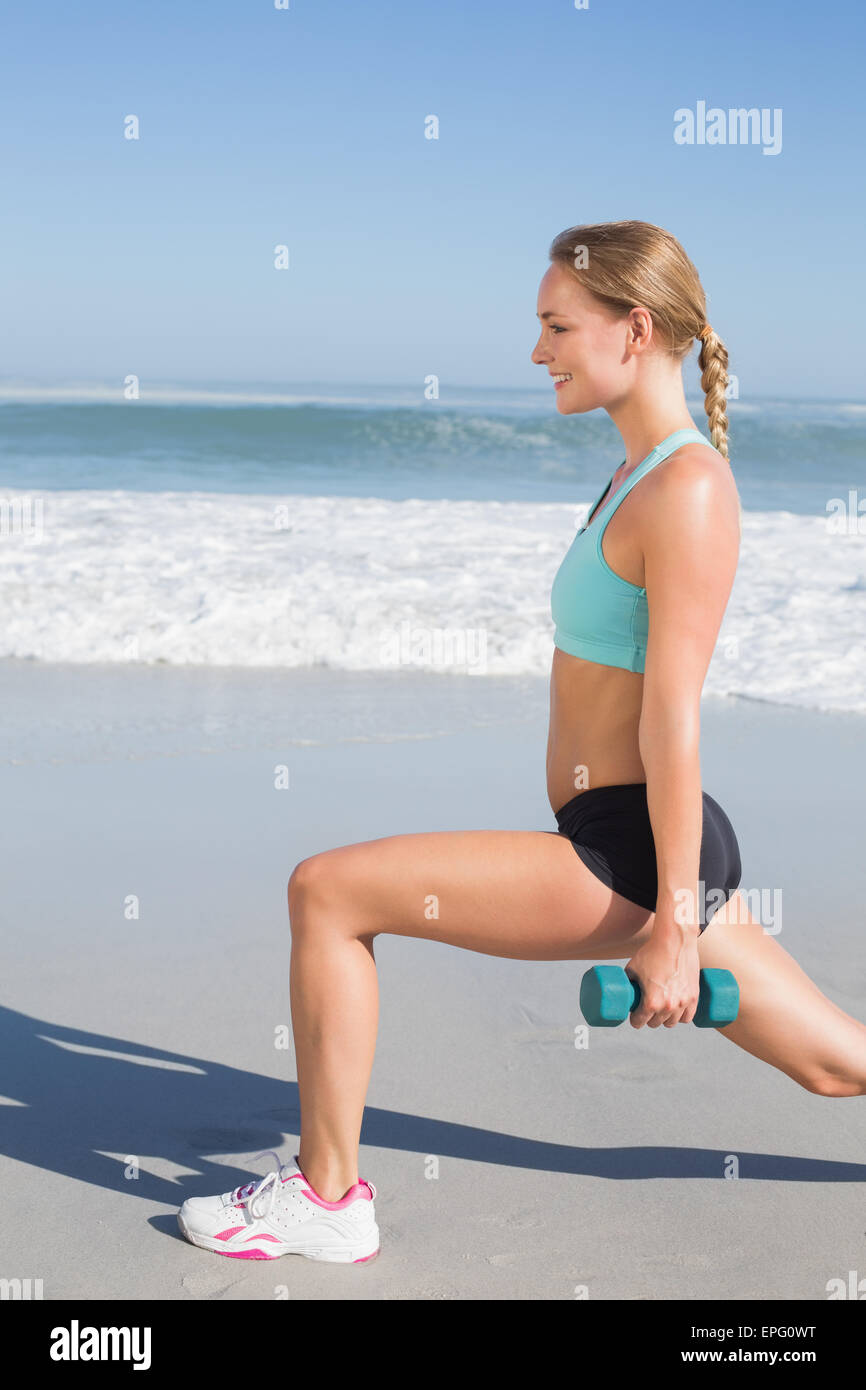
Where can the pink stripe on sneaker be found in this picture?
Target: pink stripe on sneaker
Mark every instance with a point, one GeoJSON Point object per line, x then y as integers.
{"type": "Point", "coordinates": [228, 1233]}
{"type": "Point", "coordinates": [247, 1255]}
{"type": "Point", "coordinates": [359, 1191]}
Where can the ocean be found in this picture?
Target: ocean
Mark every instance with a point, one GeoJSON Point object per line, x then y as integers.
{"type": "Point", "coordinates": [365, 529]}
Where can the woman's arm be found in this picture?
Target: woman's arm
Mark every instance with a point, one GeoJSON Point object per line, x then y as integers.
{"type": "Point", "coordinates": [689, 529]}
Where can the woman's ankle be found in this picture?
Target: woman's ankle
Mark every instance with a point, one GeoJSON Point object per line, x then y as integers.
{"type": "Point", "coordinates": [329, 1181]}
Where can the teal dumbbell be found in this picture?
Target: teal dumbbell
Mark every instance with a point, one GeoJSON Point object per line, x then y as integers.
{"type": "Point", "coordinates": [608, 996]}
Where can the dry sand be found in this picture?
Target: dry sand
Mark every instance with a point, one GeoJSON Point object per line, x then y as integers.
{"type": "Point", "coordinates": [153, 1038]}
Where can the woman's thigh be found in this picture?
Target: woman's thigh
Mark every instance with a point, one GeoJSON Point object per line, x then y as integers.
{"type": "Point", "coordinates": [784, 1018]}
{"type": "Point", "coordinates": [519, 894]}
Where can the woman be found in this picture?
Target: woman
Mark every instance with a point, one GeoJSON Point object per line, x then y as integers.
{"type": "Point", "coordinates": [643, 861]}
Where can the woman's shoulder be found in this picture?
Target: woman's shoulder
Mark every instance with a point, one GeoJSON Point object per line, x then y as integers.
{"type": "Point", "coordinates": [695, 486]}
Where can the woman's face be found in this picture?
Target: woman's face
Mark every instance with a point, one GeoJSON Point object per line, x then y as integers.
{"type": "Point", "coordinates": [582, 338]}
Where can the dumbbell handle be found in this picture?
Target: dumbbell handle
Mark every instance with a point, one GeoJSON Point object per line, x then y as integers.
{"type": "Point", "coordinates": [634, 986]}
{"type": "Point", "coordinates": [703, 989]}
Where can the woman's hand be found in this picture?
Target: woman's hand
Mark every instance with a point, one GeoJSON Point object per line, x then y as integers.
{"type": "Point", "coordinates": [667, 969]}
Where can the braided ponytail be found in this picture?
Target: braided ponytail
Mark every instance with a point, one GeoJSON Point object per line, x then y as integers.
{"type": "Point", "coordinates": [713, 362]}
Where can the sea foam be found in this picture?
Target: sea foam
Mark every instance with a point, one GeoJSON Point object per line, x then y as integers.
{"type": "Point", "coordinates": [359, 583]}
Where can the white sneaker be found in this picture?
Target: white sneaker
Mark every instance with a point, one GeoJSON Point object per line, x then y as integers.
{"type": "Point", "coordinates": [280, 1214]}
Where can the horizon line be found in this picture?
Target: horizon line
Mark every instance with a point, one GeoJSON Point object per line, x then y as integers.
{"type": "Point", "coordinates": [298, 393]}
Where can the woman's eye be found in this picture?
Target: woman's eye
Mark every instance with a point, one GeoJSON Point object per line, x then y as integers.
{"type": "Point", "coordinates": [556, 328]}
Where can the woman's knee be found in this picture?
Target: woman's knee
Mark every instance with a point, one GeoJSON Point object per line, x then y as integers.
{"type": "Point", "coordinates": [320, 890]}
{"type": "Point", "coordinates": [826, 1081]}
{"type": "Point", "coordinates": [307, 883]}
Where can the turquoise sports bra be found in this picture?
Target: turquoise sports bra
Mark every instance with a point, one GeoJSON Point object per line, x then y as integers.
{"type": "Point", "coordinates": [597, 614]}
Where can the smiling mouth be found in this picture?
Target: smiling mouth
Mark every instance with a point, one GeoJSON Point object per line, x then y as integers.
{"type": "Point", "coordinates": [560, 378]}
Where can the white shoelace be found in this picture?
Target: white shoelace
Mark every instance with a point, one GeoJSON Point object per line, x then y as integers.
{"type": "Point", "coordinates": [271, 1180]}
{"type": "Point", "coordinates": [248, 1192]}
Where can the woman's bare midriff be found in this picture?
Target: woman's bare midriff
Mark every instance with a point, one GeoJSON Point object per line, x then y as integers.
{"type": "Point", "coordinates": [594, 722]}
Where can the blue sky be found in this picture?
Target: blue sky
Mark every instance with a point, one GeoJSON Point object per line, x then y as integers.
{"type": "Point", "coordinates": [409, 256]}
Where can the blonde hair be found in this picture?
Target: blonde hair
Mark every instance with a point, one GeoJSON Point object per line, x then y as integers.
{"type": "Point", "coordinates": [625, 264]}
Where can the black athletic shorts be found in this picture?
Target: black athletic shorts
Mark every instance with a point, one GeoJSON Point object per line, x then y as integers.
{"type": "Point", "coordinates": [611, 832]}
